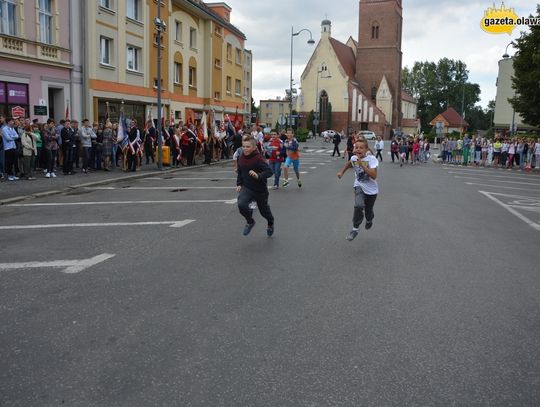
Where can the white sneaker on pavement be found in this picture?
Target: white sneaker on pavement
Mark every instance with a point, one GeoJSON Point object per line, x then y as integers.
{"type": "Point", "coordinates": [53, 175]}
{"type": "Point", "coordinates": [48, 175]}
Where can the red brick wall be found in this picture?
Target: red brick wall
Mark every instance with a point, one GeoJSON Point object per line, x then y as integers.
{"type": "Point", "coordinates": [380, 56]}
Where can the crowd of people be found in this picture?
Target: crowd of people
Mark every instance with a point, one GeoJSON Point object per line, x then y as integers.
{"type": "Point", "coordinates": [503, 152]}
{"type": "Point", "coordinates": [29, 148]}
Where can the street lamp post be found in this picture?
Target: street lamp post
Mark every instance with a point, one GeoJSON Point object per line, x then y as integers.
{"type": "Point", "coordinates": [161, 27]}
{"type": "Point", "coordinates": [513, 125]}
{"type": "Point", "coordinates": [310, 42]}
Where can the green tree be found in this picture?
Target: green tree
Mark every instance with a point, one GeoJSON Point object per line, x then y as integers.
{"type": "Point", "coordinates": [526, 79]}
{"type": "Point", "coordinates": [438, 86]}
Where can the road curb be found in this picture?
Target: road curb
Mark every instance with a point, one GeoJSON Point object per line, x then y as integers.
{"type": "Point", "coordinates": [104, 182]}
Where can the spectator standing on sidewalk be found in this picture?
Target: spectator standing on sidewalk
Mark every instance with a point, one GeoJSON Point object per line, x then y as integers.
{"type": "Point", "coordinates": [107, 145]}
{"type": "Point", "coordinates": [68, 146]}
{"type": "Point", "coordinates": [29, 152]}
{"type": "Point", "coordinates": [51, 147]}
{"type": "Point", "coordinates": [87, 135]}
{"type": "Point", "coordinates": [38, 137]}
{"type": "Point", "coordinates": [9, 135]}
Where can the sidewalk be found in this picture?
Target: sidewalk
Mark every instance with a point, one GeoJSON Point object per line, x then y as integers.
{"type": "Point", "coordinates": [13, 191]}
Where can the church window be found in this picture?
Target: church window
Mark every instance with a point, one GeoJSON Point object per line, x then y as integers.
{"type": "Point", "coordinates": [375, 31]}
{"type": "Point", "coordinates": [373, 93]}
{"type": "Point", "coordinates": [323, 105]}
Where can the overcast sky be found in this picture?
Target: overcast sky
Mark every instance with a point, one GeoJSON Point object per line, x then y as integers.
{"type": "Point", "coordinates": [431, 30]}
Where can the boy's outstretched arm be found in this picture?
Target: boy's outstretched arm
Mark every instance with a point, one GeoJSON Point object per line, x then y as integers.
{"type": "Point", "coordinates": [344, 169]}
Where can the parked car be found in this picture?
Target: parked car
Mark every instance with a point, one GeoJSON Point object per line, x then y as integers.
{"type": "Point", "coordinates": [368, 135]}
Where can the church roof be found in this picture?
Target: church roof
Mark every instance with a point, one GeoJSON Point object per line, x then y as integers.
{"type": "Point", "coordinates": [326, 22]}
{"type": "Point", "coordinates": [408, 98]}
{"type": "Point", "coordinates": [345, 56]}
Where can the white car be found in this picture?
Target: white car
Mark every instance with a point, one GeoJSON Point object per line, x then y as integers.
{"type": "Point", "coordinates": [368, 135]}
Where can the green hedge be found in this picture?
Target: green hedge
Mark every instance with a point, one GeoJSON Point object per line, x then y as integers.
{"type": "Point", "coordinates": [301, 134]}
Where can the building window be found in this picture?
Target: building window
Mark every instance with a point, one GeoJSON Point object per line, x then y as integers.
{"type": "Point", "coordinates": [238, 56]}
{"type": "Point", "coordinates": [192, 37]}
{"type": "Point", "coordinates": [133, 9]}
{"type": "Point", "coordinates": [155, 83]}
{"type": "Point", "coordinates": [133, 58]}
{"type": "Point", "coordinates": [178, 31]}
{"type": "Point", "coordinates": [8, 17]}
{"type": "Point", "coordinates": [375, 31]}
{"type": "Point", "coordinates": [45, 21]}
{"type": "Point", "coordinates": [193, 76]}
{"type": "Point", "coordinates": [229, 52]}
{"type": "Point", "coordinates": [178, 73]}
{"type": "Point", "coordinates": [106, 4]}
{"type": "Point", "coordinates": [217, 95]}
{"type": "Point", "coordinates": [228, 85]}
{"type": "Point", "coordinates": [105, 46]}
{"type": "Point", "coordinates": [217, 63]}
{"type": "Point", "coordinates": [217, 30]}
{"type": "Point", "coordinates": [237, 87]}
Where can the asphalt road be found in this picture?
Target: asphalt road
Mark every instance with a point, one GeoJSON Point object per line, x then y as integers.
{"type": "Point", "coordinates": [438, 304]}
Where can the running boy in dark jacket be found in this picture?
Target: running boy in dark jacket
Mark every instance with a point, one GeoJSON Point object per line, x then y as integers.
{"type": "Point", "coordinates": [253, 171]}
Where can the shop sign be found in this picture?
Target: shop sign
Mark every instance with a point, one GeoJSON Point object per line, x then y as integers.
{"type": "Point", "coordinates": [17, 93]}
{"type": "Point", "coordinates": [17, 112]}
{"type": "Point", "coordinates": [2, 93]}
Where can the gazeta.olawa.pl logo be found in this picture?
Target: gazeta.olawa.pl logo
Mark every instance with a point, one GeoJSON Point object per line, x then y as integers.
{"type": "Point", "coordinates": [504, 20]}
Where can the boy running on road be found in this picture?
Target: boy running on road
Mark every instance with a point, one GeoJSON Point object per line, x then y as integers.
{"type": "Point", "coordinates": [253, 171]}
{"type": "Point", "coordinates": [293, 157]}
{"type": "Point", "coordinates": [365, 187]}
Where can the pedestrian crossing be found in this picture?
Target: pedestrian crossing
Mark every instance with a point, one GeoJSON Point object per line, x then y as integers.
{"type": "Point", "coordinates": [516, 191]}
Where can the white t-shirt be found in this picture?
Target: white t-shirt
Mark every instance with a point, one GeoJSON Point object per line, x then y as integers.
{"type": "Point", "coordinates": [362, 179]}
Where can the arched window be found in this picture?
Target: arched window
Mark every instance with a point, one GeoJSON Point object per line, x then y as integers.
{"type": "Point", "coordinates": [375, 31]}
{"type": "Point", "coordinates": [323, 103]}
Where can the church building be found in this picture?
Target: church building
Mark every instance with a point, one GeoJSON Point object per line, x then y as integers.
{"type": "Point", "coordinates": [356, 85]}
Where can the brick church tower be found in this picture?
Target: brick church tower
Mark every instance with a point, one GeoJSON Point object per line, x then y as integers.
{"type": "Point", "coordinates": [379, 52]}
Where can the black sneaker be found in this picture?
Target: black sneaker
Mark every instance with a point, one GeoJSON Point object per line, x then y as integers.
{"type": "Point", "coordinates": [352, 234]}
{"type": "Point", "coordinates": [369, 225]}
{"type": "Point", "coordinates": [270, 230]}
{"type": "Point", "coordinates": [248, 227]}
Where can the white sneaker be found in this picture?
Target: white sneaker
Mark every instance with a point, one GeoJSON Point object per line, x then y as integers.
{"type": "Point", "coordinates": [48, 175]}
{"type": "Point", "coordinates": [11, 178]}
{"type": "Point", "coordinates": [15, 178]}
{"type": "Point", "coordinates": [53, 175]}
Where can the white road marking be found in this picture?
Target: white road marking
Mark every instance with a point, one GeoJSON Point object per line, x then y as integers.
{"type": "Point", "coordinates": [225, 201]}
{"type": "Point", "coordinates": [497, 186]}
{"type": "Point", "coordinates": [173, 224]}
{"type": "Point", "coordinates": [312, 168]}
{"type": "Point", "coordinates": [304, 172]}
{"type": "Point", "coordinates": [511, 208]}
{"type": "Point", "coordinates": [191, 179]}
{"type": "Point", "coordinates": [490, 174]}
{"type": "Point", "coordinates": [499, 180]}
{"type": "Point", "coordinates": [152, 188]}
{"type": "Point", "coordinates": [320, 151]}
{"type": "Point", "coordinates": [71, 266]}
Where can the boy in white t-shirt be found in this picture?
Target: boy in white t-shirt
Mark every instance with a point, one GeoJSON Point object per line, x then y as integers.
{"type": "Point", "coordinates": [365, 187]}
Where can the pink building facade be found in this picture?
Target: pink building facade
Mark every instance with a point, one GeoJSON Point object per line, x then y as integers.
{"type": "Point", "coordinates": [36, 61]}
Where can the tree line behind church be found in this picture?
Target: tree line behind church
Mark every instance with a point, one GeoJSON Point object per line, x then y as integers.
{"type": "Point", "coordinates": [444, 84]}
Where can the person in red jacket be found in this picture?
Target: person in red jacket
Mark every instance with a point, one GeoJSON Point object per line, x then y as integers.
{"type": "Point", "coordinates": [273, 151]}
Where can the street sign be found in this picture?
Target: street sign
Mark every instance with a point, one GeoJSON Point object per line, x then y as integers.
{"type": "Point", "coordinates": [315, 122]}
{"type": "Point", "coordinates": [281, 120]}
